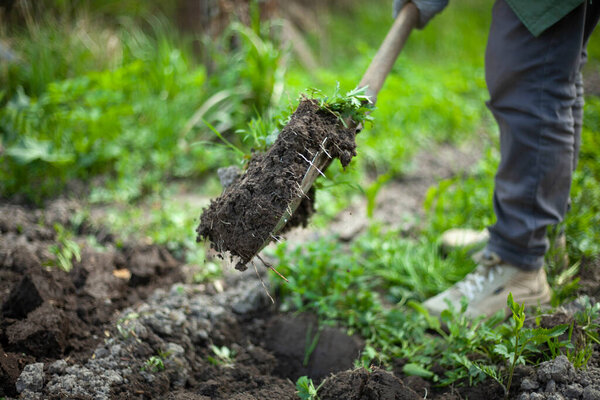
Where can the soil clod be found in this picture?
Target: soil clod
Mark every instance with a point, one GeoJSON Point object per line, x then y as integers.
{"type": "Point", "coordinates": [361, 384]}
{"type": "Point", "coordinates": [243, 218]}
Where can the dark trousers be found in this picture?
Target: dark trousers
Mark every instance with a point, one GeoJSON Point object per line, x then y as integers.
{"type": "Point", "coordinates": [536, 96]}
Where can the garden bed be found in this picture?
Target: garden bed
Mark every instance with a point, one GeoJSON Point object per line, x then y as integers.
{"type": "Point", "coordinates": [119, 326]}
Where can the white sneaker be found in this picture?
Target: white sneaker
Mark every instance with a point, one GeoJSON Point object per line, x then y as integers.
{"type": "Point", "coordinates": [488, 286]}
{"type": "Point", "coordinates": [463, 238]}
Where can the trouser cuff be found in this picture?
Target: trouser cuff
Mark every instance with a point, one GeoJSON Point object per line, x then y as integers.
{"type": "Point", "coordinates": [514, 255]}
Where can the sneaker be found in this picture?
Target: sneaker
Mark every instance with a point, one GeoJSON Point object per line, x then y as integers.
{"type": "Point", "coordinates": [488, 286]}
{"type": "Point", "coordinates": [464, 238]}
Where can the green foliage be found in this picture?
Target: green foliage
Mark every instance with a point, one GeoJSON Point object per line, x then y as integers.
{"type": "Point", "coordinates": [64, 250]}
{"type": "Point", "coordinates": [103, 122]}
{"type": "Point", "coordinates": [264, 67]}
{"type": "Point", "coordinates": [464, 200]}
{"type": "Point", "coordinates": [373, 285]}
{"type": "Point", "coordinates": [523, 340]}
{"type": "Point", "coordinates": [124, 106]}
{"type": "Point", "coordinates": [305, 389]}
{"type": "Point", "coordinates": [137, 114]}
{"type": "Point", "coordinates": [154, 364]}
{"type": "Point", "coordinates": [224, 356]}
{"type": "Point", "coordinates": [262, 130]}
{"type": "Point", "coordinates": [582, 224]}
{"type": "Point", "coordinates": [355, 105]}
{"type": "Point", "coordinates": [311, 343]}
{"type": "Point", "coordinates": [587, 320]}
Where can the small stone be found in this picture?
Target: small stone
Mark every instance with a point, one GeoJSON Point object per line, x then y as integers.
{"type": "Point", "coordinates": [57, 367]}
{"type": "Point", "coordinates": [112, 377]}
{"type": "Point", "coordinates": [147, 376]}
{"type": "Point", "coordinates": [29, 395]}
{"type": "Point", "coordinates": [529, 384]}
{"type": "Point", "coordinates": [227, 175]}
{"type": "Point", "coordinates": [101, 352]}
{"type": "Point", "coordinates": [555, 396]}
{"type": "Point", "coordinates": [591, 393]}
{"type": "Point", "coordinates": [116, 350]}
{"type": "Point", "coordinates": [32, 378]}
{"type": "Point", "coordinates": [174, 350]}
{"type": "Point", "coordinates": [573, 391]}
{"type": "Point", "coordinates": [523, 396]}
{"type": "Point", "coordinates": [585, 379]}
{"type": "Point", "coordinates": [251, 301]}
{"type": "Point", "coordinates": [536, 396]}
{"type": "Point", "coordinates": [560, 370]}
{"type": "Point", "coordinates": [550, 386]}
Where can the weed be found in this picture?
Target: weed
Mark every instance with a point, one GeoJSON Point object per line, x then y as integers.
{"type": "Point", "coordinates": [224, 356]}
{"type": "Point", "coordinates": [311, 343]}
{"type": "Point", "coordinates": [305, 389]}
{"type": "Point", "coordinates": [64, 250]}
{"type": "Point", "coordinates": [522, 340]}
{"type": "Point", "coordinates": [355, 105]}
{"type": "Point", "coordinates": [372, 190]}
{"type": "Point", "coordinates": [587, 320]}
{"type": "Point", "coordinates": [154, 364]}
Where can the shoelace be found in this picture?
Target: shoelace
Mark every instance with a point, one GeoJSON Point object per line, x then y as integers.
{"type": "Point", "coordinates": [476, 280]}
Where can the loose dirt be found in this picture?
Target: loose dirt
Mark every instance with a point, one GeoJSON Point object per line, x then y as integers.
{"type": "Point", "coordinates": [242, 219]}
{"type": "Point", "coordinates": [48, 313]}
{"type": "Point", "coordinates": [361, 384]}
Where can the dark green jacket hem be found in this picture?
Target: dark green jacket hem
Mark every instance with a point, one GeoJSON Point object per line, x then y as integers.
{"type": "Point", "coordinates": [539, 15]}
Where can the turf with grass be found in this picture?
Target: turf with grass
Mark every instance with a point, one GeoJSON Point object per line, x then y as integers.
{"type": "Point", "coordinates": [243, 218]}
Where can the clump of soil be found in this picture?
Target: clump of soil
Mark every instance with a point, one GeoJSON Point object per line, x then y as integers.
{"type": "Point", "coordinates": [361, 384]}
{"type": "Point", "coordinates": [47, 313]}
{"type": "Point", "coordinates": [242, 219]}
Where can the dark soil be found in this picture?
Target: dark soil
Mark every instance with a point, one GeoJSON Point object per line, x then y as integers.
{"type": "Point", "coordinates": [47, 313]}
{"type": "Point", "coordinates": [242, 219]}
{"type": "Point", "coordinates": [361, 384]}
{"type": "Point", "coordinates": [289, 338]}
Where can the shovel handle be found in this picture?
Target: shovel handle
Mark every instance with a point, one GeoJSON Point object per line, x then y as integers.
{"type": "Point", "coordinates": [378, 70]}
{"type": "Point", "coordinates": [393, 43]}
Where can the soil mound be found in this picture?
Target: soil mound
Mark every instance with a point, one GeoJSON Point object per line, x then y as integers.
{"type": "Point", "coordinates": [361, 384]}
{"type": "Point", "coordinates": [47, 313]}
{"type": "Point", "coordinates": [242, 219]}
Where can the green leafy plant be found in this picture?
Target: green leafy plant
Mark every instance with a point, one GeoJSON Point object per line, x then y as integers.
{"type": "Point", "coordinates": [588, 319]}
{"type": "Point", "coordinates": [154, 364]}
{"type": "Point", "coordinates": [522, 340]}
{"type": "Point", "coordinates": [224, 356]}
{"type": "Point", "coordinates": [311, 343]}
{"type": "Point", "coordinates": [587, 322]}
{"type": "Point", "coordinates": [355, 104]}
{"type": "Point", "coordinates": [65, 250]}
{"type": "Point", "coordinates": [305, 389]}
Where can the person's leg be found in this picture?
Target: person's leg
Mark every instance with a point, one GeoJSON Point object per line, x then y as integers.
{"type": "Point", "coordinates": [533, 96]}
{"type": "Point", "coordinates": [537, 98]}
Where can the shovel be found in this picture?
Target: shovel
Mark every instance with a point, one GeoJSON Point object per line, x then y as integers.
{"type": "Point", "coordinates": [223, 221]}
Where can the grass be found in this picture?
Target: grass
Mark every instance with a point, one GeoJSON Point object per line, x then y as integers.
{"type": "Point", "coordinates": [131, 117]}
